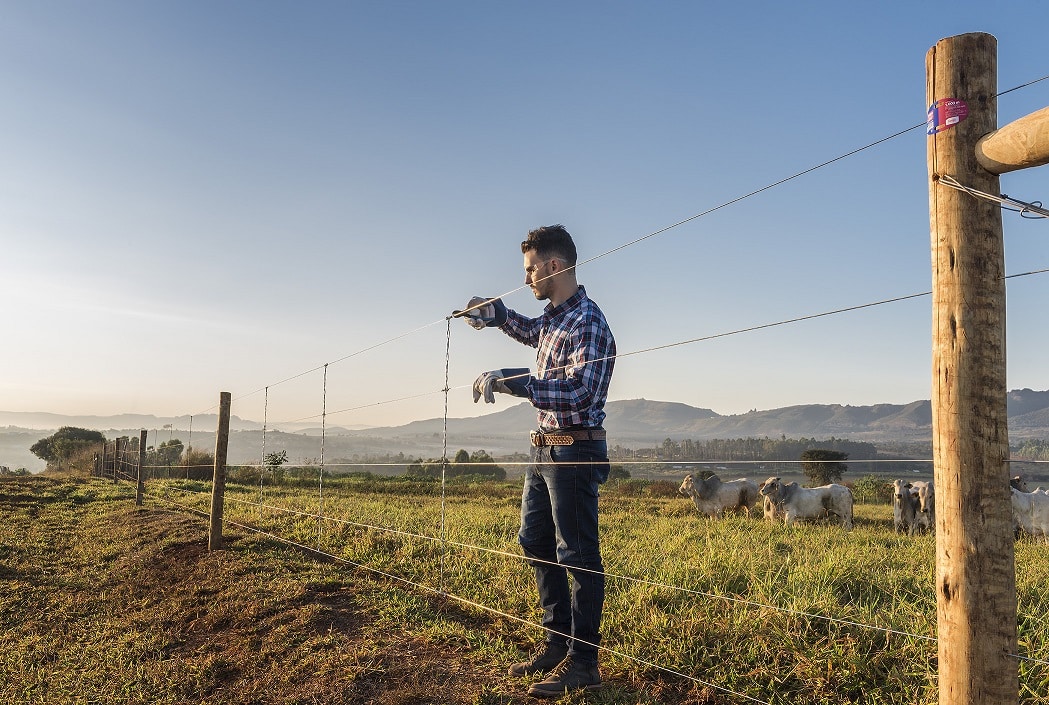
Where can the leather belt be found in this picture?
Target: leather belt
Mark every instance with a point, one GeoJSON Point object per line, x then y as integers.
{"type": "Point", "coordinates": [565, 437]}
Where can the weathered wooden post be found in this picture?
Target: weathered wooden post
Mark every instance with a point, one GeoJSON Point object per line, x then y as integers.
{"type": "Point", "coordinates": [975, 565]}
{"type": "Point", "coordinates": [118, 456]}
{"type": "Point", "coordinates": [141, 462]}
{"type": "Point", "coordinates": [218, 485]}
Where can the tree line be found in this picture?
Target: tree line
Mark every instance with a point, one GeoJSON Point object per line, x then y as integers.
{"type": "Point", "coordinates": [769, 449]}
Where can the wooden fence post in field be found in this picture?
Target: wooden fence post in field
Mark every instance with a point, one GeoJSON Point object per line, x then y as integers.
{"type": "Point", "coordinates": [218, 485]}
{"type": "Point", "coordinates": [975, 565]}
{"type": "Point", "coordinates": [141, 462]}
{"type": "Point", "coordinates": [117, 457]}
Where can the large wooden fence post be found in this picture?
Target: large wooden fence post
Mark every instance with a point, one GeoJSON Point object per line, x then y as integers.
{"type": "Point", "coordinates": [975, 566]}
{"type": "Point", "coordinates": [218, 485]}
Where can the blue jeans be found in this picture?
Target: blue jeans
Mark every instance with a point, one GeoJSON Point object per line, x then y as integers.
{"type": "Point", "coordinates": [559, 536]}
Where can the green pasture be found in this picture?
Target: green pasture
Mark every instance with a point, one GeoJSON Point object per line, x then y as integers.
{"type": "Point", "coordinates": [802, 614]}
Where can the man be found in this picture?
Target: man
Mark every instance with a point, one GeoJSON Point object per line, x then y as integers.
{"type": "Point", "coordinates": [559, 533]}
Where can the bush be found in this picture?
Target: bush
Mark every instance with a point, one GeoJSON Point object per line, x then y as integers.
{"type": "Point", "coordinates": [662, 489]}
{"type": "Point", "coordinates": [627, 488]}
{"type": "Point", "coordinates": [872, 489]}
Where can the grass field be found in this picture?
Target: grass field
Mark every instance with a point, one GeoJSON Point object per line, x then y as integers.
{"type": "Point", "coordinates": [104, 602]}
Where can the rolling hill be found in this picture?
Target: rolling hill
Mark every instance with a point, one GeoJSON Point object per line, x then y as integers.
{"type": "Point", "coordinates": [630, 423]}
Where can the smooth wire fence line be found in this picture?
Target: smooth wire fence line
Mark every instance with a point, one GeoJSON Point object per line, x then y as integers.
{"type": "Point", "coordinates": [656, 348]}
{"type": "Point", "coordinates": [447, 388]}
{"type": "Point", "coordinates": [462, 600]}
{"type": "Point", "coordinates": [592, 259]}
{"type": "Point", "coordinates": [633, 242]}
{"type": "Point", "coordinates": [629, 578]}
{"type": "Point", "coordinates": [480, 606]}
{"type": "Point", "coordinates": [613, 576]}
{"type": "Point", "coordinates": [642, 351]}
{"type": "Point", "coordinates": [616, 576]}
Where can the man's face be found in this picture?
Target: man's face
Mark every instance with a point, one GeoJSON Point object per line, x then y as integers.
{"type": "Point", "coordinates": [537, 274]}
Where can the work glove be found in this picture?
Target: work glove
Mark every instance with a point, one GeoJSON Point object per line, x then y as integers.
{"type": "Point", "coordinates": [488, 312]}
{"type": "Point", "coordinates": [497, 381]}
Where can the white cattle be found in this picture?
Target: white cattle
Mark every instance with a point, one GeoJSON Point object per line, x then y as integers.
{"type": "Point", "coordinates": [926, 513]}
{"type": "Point", "coordinates": [769, 508]}
{"type": "Point", "coordinates": [1031, 512]}
{"type": "Point", "coordinates": [1018, 483]}
{"type": "Point", "coordinates": [714, 497]}
{"type": "Point", "coordinates": [808, 503]}
{"type": "Point", "coordinates": [904, 507]}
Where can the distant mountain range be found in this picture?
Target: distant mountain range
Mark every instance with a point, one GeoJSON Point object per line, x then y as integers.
{"type": "Point", "coordinates": [630, 423]}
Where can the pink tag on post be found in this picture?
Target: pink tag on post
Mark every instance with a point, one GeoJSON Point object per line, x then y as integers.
{"type": "Point", "coordinates": [945, 114]}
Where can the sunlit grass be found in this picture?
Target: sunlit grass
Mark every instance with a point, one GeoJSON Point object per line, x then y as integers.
{"type": "Point", "coordinates": [803, 614]}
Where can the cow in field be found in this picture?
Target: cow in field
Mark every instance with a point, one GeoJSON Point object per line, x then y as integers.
{"type": "Point", "coordinates": [926, 513]}
{"type": "Point", "coordinates": [1031, 512]}
{"type": "Point", "coordinates": [770, 510]}
{"type": "Point", "coordinates": [713, 497]}
{"type": "Point", "coordinates": [1018, 483]}
{"type": "Point", "coordinates": [809, 503]}
{"type": "Point", "coordinates": [904, 507]}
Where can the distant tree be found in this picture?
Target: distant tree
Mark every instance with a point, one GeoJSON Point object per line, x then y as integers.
{"type": "Point", "coordinates": [275, 460]}
{"type": "Point", "coordinates": [169, 452]}
{"type": "Point", "coordinates": [64, 443]}
{"type": "Point", "coordinates": [823, 466]}
{"type": "Point", "coordinates": [872, 489]}
{"type": "Point", "coordinates": [199, 464]}
{"type": "Point", "coordinates": [618, 472]}
{"type": "Point", "coordinates": [484, 466]}
{"type": "Point", "coordinates": [477, 464]}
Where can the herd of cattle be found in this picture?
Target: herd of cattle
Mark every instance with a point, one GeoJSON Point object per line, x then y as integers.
{"type": "Point", "coordinates": [913, 503]}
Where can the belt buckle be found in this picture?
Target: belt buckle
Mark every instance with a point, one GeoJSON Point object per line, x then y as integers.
{"type": "Point", "coordinates": [537, 438]}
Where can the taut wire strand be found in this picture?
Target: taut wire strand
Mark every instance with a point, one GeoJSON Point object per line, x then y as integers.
{"type": "Point", "coordinates": [643, 238]}
{"type": "Point", "coordinates": [679, 343]}
{"type": "Point", "coordinates": [444, 449]}
{"type": "Point", "coordinates": [613, 576]}
{"type": "Point", "coordinates": [1023, 85]}
{"type": "Point", "coordinates": [320, 475]}
{"type": "Point", "coordinates": [262, 460]}
{"type": "Point", "coordinates": [485, 608]}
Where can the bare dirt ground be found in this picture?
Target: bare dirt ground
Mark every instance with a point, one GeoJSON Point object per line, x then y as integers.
{"type": "Point", "coordinates": [105, 602]}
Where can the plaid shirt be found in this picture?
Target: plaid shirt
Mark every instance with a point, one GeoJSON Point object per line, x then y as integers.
{"type": "Point", "coordinates": [576, 354]}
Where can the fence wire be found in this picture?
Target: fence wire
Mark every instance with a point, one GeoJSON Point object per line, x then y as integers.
{"type": "Point", "coordinates": [122, 465]}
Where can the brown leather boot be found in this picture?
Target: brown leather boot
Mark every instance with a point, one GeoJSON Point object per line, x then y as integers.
{"type": "Point", "coordinates": [545, 657]}
{"type": "Point", "coordinates": [567, 675]}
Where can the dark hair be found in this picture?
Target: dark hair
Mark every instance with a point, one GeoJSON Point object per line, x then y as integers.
{"type": "Point", "coordinates": [551, 241]}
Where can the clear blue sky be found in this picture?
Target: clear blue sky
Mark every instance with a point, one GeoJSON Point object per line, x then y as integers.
{"type": "Point", "coordinates": [207, 196]}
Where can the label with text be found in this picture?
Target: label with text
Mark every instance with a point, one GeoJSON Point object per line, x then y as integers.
{"type": "Point", "coordinates": [945, 114]}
